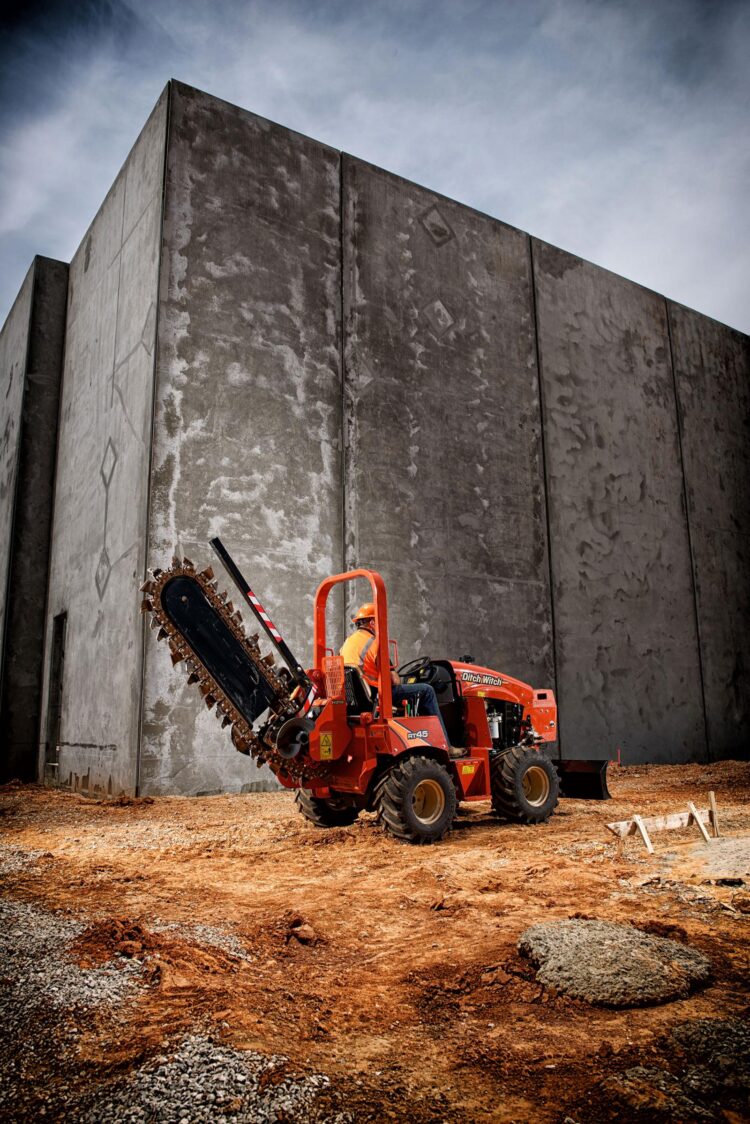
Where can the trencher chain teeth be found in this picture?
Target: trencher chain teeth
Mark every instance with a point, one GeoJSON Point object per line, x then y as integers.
{"type": "Point", "coordinates": [244, 738]}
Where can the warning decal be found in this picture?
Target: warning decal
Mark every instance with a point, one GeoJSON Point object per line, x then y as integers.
{"type": "Point", "coordinates": [326, 747]}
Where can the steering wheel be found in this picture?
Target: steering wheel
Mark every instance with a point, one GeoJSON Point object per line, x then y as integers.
{"type": "Point", "coordinates": [413, 667]}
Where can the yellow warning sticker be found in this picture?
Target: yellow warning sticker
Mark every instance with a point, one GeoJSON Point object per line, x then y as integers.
{"type": "Point", "coordinates": [468, 769]}
{"type": "Point", "coordinates": [326, 747]}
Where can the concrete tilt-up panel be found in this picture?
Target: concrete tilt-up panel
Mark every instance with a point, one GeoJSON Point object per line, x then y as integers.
{"type": "Point", "coordinates": [627, 652]}
{"type": "Point", "coordinates": [31, 348]}
{"type": "Point", "coordinates": [712, 373]}
{"type": "Point", "coordinates": [99, 535]}
{"type": "Point", "coordinates": [444, 479]}
{"type": "Point", "coordinates": [14, 345]}
{"type": "Point", "coordinates": [247, 436]}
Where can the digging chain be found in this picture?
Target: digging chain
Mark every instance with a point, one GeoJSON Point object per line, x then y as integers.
{"type": "Point", "coordinates": [260, 744]}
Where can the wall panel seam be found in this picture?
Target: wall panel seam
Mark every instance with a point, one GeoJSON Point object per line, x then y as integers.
{"type": "Point", "coordinates": [545, 483]}
{"type": "Point", "coordinates": [693, 581]}
{"type": "Point", "coordinates": [342, 369]}
{"type": "Point", "coordinates": [149, 470]}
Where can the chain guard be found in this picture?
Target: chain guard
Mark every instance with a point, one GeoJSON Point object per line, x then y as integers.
{"type": "Point", "coordinates": [205, 632]}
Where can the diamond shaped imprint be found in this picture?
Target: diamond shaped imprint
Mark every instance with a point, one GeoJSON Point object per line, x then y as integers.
{"type": "Point", "coordinates": [103, 570]}
{"type": "Point", "coordinates": [109, 460]}
{"type": "Point", "coordinates": [436, 226]}
{"type": "Point", "coordinates": [439, 317]}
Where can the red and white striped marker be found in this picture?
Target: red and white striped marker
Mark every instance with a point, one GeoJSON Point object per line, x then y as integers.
{"type": "Point", "coordinates": [264, 615]}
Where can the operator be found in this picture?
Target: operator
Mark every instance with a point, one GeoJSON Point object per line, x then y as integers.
{"type": "Point", "coordinates": [360, 649]}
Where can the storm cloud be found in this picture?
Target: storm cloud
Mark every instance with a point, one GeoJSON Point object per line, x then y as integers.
{"type": "Point", "coordinates": [615, 129]}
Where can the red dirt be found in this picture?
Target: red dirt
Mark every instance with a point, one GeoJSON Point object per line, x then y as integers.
{"type": "Point", "coordinates": [393, 969]}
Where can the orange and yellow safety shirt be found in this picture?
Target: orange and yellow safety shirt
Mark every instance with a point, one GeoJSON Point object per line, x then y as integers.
{"type": "Point", "coordinates": [361, 650]}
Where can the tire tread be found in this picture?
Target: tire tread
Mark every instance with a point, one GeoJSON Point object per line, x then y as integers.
{"type": "Point", "coordinates": [503, 783]}
{"type": "Point", "coordinates": [391, 795]}
{"type": "Point", "coordinates": [319, 812]}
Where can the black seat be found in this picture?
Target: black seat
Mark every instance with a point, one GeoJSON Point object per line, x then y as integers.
{"type": "Point", "coordinates": [360, 699]}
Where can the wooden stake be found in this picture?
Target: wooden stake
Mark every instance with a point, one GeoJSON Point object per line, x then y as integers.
{"type": "Point", "coordinates": [714, 815]}
{"type": "Point", "coordinates": [644, 834]}
{"type": "Point", "coordinates": [654, 823]}
{"type": "Point", "coordinates": [699, 821]}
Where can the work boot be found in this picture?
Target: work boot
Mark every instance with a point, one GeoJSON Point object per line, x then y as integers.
{"type": "Point", "coordinates": [455, 751]}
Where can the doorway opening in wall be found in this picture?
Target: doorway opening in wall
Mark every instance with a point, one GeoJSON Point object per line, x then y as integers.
{"type": "Point", "coordinates": [54, 698]}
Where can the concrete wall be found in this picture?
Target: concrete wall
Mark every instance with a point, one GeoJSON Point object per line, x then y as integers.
{"type": "Point", "coordinates": [247, 439]}
{"type": "Point", "coordinates": [99, 535]}
{"type": "Point", "coordinates": [31, 349]}
{"type": "Point", "coordinates": [627, 649]}
{"type": "Point", "coordinates": [14, 344]}
{"type": "Point", "coordinates": [335, 367]}
{"type": "Point", "coordinates": [712, 373]}
{"type": "Point", "coordinates": [444, 475]}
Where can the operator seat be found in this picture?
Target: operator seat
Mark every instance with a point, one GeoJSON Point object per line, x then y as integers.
{"type": "Point", "coordinates": [360, 698]}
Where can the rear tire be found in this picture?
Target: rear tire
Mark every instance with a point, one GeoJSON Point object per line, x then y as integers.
{"type": "Point", "coordinates": [416, 800]}
{"type": "Point", "coordinates": [325, 813]}
{"type": "Point", "coordinates": [525, 785]}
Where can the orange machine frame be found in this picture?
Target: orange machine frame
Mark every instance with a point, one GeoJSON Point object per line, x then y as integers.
{"type": "Point", "coordinates": [381, 629]}
{"type": "Point", "coordinates": [356, 745]}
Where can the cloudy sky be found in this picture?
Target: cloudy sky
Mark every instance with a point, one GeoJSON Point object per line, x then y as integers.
{"type": "Point", "coordinates": [617, 129]}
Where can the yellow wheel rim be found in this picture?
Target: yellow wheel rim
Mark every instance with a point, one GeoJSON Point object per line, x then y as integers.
{"type": "Point", "coordinates": [428, 801]}
{"type": "Point", "coordinates": [535, 785]}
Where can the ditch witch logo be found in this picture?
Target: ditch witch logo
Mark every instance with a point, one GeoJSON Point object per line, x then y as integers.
{"type": "Point", "coordinates": [484, 680]}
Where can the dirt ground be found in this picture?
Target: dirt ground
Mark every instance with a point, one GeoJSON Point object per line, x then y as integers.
{"type": "Point", "coordinates": [389, 968]}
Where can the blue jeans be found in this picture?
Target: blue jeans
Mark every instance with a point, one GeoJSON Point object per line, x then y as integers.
{"type": "Point", "coordinates": [424, 695]}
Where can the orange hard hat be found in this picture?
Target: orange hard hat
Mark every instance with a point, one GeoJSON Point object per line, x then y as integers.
{"type": "Point", "coordinates": [365, 612]}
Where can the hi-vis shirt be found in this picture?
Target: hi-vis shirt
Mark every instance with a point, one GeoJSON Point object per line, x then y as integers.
{"type": "Point", "coordinates": [361, 650]}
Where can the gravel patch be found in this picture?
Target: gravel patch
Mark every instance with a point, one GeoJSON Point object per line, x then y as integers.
{"type": "Point", "coordinates": [650, 1093]}
{"type": "Point", "coordinates": [13, 860]}
{"type": "Point", "coordinates": [206, 935]}
{"type": "Point", "coordinates": [43, 995]}
{"type": "Point", "coordinates": [147, 837]}
{"type": "Point", "coordinates": [37, 970]}
{"type": "Point", "coordinates": [45, 1001]}
{"type": "Point", "coordinates": [718, 1055]}
{"type": "Point", "coordinates": [709, 1078]}
{"type": "Point", "coordinates": [612, 965]}
{"type": "Point", "coordinates": [203, 1082]}
{"type": "Point", "coordinates": [725, 857]}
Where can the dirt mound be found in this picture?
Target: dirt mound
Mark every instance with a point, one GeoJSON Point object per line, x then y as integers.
{"type": "Point", "coordinates": [116, 936]}
{"type": "Point", "coordinates": [163, 954]}
{"type": "Point", "coordinates": [612, 965]}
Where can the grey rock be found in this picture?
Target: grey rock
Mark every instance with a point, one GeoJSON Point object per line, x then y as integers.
{"type": "Point", "coordinates": [612, 965]}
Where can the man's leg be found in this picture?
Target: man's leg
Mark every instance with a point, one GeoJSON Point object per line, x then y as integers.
{"type": "Point", "coordinates": [425, 695]}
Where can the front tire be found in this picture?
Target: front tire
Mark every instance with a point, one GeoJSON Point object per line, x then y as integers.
{"type": "Point", "coordinates": [525, 786]}
{"type": "Point", "coordinates": [325, 813]}
{"type": "Point", "coordinates": [416, 800]}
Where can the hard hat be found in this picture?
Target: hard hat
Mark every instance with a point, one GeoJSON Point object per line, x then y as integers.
{"type": "Point", "coordinates": [365, 612]}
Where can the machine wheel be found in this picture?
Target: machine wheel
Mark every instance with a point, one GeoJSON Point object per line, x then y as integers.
{"type": "Point", "coordinates": [525, 785]}
{"type": "Point", "coordinates": [325, 813]}
{"type": "Point", "coordinates": [416, 800]}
